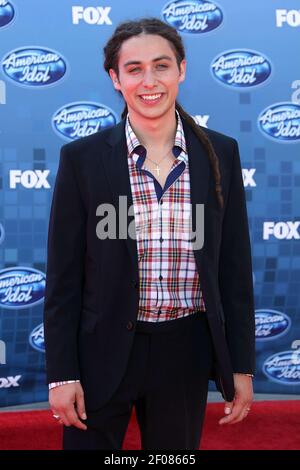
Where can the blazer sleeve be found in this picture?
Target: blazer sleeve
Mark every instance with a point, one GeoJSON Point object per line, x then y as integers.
{"type": "Point", "coordinates": [64, 273]}
{"type": "Point", "coordinates": [235, 274]}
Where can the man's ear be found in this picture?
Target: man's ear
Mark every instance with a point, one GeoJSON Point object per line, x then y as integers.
{"type": "Point", "coordinates": [114, 79]}
{"type": "Point", "coordinates": [182, 70]}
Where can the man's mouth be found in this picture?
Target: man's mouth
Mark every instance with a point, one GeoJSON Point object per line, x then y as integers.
{"type": "Point", "coordinates": [153, 98]}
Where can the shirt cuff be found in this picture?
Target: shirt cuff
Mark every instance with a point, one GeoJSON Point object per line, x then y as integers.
{"type": "Point", "coordinates": [64, 382]}
{"type": "Point", "coordinates": [242, 373]}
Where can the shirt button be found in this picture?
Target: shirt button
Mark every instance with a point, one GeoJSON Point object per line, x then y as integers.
{"type": "Point", "coordinates": [161, 202]}
{"type": "Point", "coordinates": [160, 278]}
{"type": "Point", "coordinates": [161, 239]}
{"type": "Point", "coordinates": [159, 312]}
{"type": "Point", "coordinates": [130, 325]}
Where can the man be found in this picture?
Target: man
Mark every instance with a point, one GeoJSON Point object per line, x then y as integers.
{"type": "Point", "coordinates": [147, 320]}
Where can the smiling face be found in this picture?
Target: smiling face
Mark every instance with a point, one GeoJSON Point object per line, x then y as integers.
{"type": "Point", "coordinates": [148, 76]}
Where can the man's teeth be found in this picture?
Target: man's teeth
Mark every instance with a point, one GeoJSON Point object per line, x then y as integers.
{"type": "Point", "coordinates": [151, 97]}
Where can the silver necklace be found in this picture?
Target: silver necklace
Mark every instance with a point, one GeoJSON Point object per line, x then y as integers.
{"type": "Point", "coordinates": [157, 169]}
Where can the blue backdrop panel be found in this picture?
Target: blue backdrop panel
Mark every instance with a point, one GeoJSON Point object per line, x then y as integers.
{"type": "Point", "coordinates": [242, 79]}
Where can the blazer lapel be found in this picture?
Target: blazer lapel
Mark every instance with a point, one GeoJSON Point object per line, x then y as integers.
{"type": "Point", "coordinates": [117, 172]}
{"type": "Point", "coordinates": [199, 167]}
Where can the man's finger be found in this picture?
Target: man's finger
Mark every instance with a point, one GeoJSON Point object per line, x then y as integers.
{"type": "Point", "coordinates": [56, 416]}
{"type": "Point", "coordinates": [228, 407]}
{"type": "Point", "coordinates": [78, 424]}
{"type": "Point", "coordinates": [63, 418]}
{"type": "Point", "coordinates": [80, 406]}
{"type": "Point", "coordinates": [235, 413]}
{"type": "Point", "coordinates": [74, 420]}
{"type": "Point", "coordinates": [242, 415]}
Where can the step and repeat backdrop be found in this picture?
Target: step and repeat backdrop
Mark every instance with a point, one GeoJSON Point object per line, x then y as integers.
{"type": "Point", "coordinates": [243, 79]}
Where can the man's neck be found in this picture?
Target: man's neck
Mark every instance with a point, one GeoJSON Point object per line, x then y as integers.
{"type": "Point", "coordinates": [155, 133]}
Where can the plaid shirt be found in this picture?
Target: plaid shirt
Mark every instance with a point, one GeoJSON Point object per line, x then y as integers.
{"type": "Point", "coordinates": [169, 280]}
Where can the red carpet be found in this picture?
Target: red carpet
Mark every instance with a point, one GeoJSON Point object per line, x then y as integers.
{"type": "Point", "coordinates": [270, 425]}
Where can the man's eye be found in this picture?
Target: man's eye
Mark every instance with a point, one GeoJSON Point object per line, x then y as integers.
{"type": "Point", "coordinates": [138, 69]}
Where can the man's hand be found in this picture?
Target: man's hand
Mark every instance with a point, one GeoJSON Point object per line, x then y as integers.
{"type": "Point", "coordinates": [238, 409]}
{"type": "Point", "coordinates": [67, 402]}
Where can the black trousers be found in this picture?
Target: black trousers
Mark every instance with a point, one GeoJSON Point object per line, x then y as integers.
{"type": "Point", "coordinates": [167, 382]}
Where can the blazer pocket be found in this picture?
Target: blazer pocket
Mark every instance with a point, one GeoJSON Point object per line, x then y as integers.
{"type": "Point", "coordinates": [89, 320]}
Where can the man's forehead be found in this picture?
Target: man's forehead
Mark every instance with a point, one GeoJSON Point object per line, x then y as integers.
{"type": "Point", "coordinates": [145, 48]}
{"type": "Point", "coordinates": [154, 59]}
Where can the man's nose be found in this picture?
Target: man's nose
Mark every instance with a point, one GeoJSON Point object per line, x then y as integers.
{"type": "Point", "coordinates": [149, 80]}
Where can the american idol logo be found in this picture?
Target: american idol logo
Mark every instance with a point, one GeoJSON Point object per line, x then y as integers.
{"type": "Point", "coordinates": [270, 324]}
{"type": "Point", "coordinates": [281, 121]}
{"type": "Point", "coordinates": [7, 12]}
{"type": "Point", "coordinates": [81, 119]}
{"type": "Point", "coordinates": [36, 338]}
{"type": "Point", "coordinates": [241, 68]}
{"type": "Point", "coordinates": [283, 367]}
{"type": "Point", "coordinates": [34, 66]}
{"type": "Point", "coordinates": [193, 16]}
{"type": "Point", "coordinates": [21, 287]}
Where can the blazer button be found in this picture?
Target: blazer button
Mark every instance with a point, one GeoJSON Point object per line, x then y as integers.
{"type": "Point", "coordinates": [130, 325]}
{"type": "Point", "coordinates": [135, 284]}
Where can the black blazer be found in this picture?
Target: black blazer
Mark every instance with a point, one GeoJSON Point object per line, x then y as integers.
{"type": "Point", "coordinates": [92, 286]}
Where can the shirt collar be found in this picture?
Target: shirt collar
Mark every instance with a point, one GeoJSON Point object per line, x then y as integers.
{"type": "Point", "coordinates": [135, 149]}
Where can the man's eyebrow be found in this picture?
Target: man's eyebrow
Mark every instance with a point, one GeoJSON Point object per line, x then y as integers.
{"type": "Point", "coordinates": [137, 62]}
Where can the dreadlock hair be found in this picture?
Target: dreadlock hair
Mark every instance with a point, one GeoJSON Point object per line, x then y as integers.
{"type": "Point", "coordinates": [129, 29]}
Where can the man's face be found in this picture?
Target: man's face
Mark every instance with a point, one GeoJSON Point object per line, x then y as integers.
{"type": "Point", "coordinates": [148, 75]}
